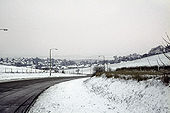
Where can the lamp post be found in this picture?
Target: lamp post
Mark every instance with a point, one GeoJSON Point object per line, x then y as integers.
{"type": "Point", "coordinates": [103, 60]}
{"type": "Point", "coordinates": [4, 29]}
{"type": "Point", "coordinates": [50, 58]}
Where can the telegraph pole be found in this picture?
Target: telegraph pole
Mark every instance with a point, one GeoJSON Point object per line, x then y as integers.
{"type": "Point", "coordinates": [104, 61]}
{"type": "Point", "coordinates": [51, 58]}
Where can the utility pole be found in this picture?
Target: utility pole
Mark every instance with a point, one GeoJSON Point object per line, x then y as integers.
{"type": "Point", "coordinates": [51, 58]}
{"type": "Point", "coordinates": [107, 66]}
{"type": "Point", "coordinates": [103, 60]}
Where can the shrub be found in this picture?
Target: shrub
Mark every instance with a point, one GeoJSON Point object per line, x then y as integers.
{"type": "Point", "coordinates": [99, 69]}
{"type": "Point", "coordinates": [63, 72]}
{"type": "Point", "coordinates": [165, 79]}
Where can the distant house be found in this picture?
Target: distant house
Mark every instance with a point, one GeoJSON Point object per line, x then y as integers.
{"type": "Point", "coordinates": [156, 50]}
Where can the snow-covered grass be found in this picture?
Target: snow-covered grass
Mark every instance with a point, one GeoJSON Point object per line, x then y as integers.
{"type": "Point", "coordinates": [148, 61]}
{"type": "Point", "coordinates": [86, 70]}
{"type": "Point", "coordinates": [5, 77]}
{"type": "Point", "coordinates": [128, 96]}
{"type": "Point", "coordinates": [15, 69]}
{"type": "Point", "coordinates": [102, 95]}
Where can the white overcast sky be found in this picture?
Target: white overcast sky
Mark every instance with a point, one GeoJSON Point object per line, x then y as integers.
{"type": "Point", "coordinates": [82, 27]}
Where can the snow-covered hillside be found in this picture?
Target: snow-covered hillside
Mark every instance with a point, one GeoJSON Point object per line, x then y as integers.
{"type": "Point", "coordinates": [129, 96]}
{"type": "Point", "coordinates": [148, 61]}
{"type": "Point", "coordinates": [102, 95]}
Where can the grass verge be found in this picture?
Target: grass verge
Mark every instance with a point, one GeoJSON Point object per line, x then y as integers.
{"type": "Point", "coordinates": [138, 74]}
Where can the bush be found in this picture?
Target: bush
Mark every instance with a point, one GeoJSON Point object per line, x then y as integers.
{"type": "Point", "coordinates": [63, 72]}
{"type": "Point", "coordinates": [165, 79]}
{"type": "Point", "coordinates": [99, 69]}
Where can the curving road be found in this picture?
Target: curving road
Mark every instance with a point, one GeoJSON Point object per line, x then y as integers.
{"type": "Point", "coordinates": [17, 96]}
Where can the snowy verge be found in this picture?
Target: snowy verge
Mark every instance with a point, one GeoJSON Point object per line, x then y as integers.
{"type": "Point", "coordinates": [147, 61]}
{"type": "Point", "coordinates": [69, 97]}
{"type": "Point", "coordinates": [129, 96]}
{"type": "Point", "coordinates": [102, 95]}
{"type": "Point", "coordinates": [7, 77]}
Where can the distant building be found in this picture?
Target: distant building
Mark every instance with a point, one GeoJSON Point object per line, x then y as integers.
{"type": "Point", "coordinates": [156, 50]}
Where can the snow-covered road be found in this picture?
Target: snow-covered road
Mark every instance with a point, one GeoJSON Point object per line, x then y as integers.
{"type": "Point", "coordinates": [101, 95]}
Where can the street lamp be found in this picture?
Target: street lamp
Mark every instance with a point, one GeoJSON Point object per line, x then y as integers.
{"type": "Point", "coordinates": [103, 60]}
{"type": "Point", "coordinates": [50, 58]}
{"type": "Point", "coordinates": [4, 29]}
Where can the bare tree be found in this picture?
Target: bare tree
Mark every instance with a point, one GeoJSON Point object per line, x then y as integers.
{"type": "Point", "coordinates": [167, 46]}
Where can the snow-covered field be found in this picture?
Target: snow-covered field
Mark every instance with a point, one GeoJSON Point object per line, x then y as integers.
{"type": "Point", "coordinates": [14, 76]}
{"type": "Point", "coordinates": [88, 70]}
{"type": "Point", "coordinates": [17, 73]}
{"type": "Point", "coordinates": [4, 68]}
{"type": "Point", "coordinates": [148, 61]}
{"type": "Point", "coordinates": [102, 95]}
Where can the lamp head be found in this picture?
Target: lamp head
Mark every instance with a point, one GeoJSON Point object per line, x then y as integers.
{"type": "Point", "coordinates": [5, 29]}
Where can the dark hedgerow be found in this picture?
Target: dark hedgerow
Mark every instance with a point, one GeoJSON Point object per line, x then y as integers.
{"type": "Point", "coordinates": [98, 70]}
{"type": "Point", "coordinates": [137, 73]}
